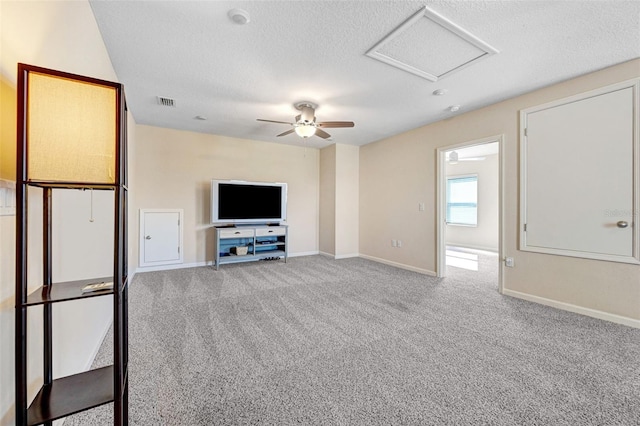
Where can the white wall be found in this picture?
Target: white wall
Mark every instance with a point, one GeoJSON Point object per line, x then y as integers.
{"type": "Point", "coordinates": [399, 172]}
{"type": "Point", "coordinates": [485, 235]}
{"type": "Point", "coordinates": [62, 36]}
{"type": "Point", "coordinates": [174, 170]}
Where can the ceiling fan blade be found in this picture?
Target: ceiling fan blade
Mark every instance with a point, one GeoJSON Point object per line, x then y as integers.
{"type": "Point", "coordinates": [286, 133]}
{"type": "Point", "coordinates": [336, 124]}
{"type": "Point", "coordinates": [272, 121]}
{"type": "Point", "coordinates": [322, 133]}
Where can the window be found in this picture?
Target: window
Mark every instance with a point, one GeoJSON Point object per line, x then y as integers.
{"type": "Point", "coordinates": [462, 200]}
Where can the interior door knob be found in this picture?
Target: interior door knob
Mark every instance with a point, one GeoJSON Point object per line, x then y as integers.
{"type": "Point", "coordinates": [622, 224]}
{"type": "Point", "coordinates": [148, 237]}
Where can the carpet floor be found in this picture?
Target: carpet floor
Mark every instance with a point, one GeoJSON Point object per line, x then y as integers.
{"type": "Point", "coordinates": [353, 342]}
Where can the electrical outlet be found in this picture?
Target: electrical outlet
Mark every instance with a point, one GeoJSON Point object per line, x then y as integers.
{"type": "Point", "coordinates": [399, 243]}
{"type": "Point", "coordinates": [508, 261]}
{"type": "Point", "coordinates": [394, 243]}
{"type": "Point", "coordinates": [420, 207]}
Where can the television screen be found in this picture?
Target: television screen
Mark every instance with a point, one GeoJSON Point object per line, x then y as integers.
{"type": "Point", "coordinates": [247, 202]}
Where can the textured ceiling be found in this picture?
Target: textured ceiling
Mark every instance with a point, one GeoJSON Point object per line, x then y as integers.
{"type": "Point", "coordinates": [292, 51]}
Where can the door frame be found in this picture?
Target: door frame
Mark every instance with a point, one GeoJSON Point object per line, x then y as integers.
{"type": "Point", "coordinates": [441, 203]}
{"type": "Point", "coordinates": [141, 254]}
{"type": "Point", "coordinates": [633, 84]}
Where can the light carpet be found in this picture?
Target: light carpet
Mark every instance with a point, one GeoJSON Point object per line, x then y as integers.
{"type": "Point", "coordinates": [353, 342]}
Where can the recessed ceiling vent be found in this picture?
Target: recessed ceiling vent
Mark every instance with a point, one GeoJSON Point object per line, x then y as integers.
{"type": "Point", "coordinates": [167, 102]}
{"type": "Point", "coordinates": [430, 46]}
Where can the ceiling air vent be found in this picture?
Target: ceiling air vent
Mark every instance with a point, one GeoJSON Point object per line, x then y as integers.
{"type": "Point", "coordinates": [167, 102]}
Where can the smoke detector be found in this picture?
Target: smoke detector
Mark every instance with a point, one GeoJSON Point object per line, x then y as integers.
{"type": "Point", "coordinates": [239, 16]}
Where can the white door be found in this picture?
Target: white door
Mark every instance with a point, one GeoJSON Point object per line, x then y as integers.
{"type": "Point", "coordinates": [160, 237]}
{"type": "Point", "coordinates": [579, 176]}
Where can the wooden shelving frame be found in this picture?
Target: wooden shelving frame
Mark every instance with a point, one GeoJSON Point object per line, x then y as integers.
{"type": "Point", "coordinates": [72, 394]}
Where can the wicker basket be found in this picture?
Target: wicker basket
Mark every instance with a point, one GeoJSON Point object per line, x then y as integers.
{"type": "Point", "coordinates": [240, 250]}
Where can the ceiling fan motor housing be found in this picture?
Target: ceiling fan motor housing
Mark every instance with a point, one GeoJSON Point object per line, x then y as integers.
{"type": "Point", "coordinates": [307, 112]}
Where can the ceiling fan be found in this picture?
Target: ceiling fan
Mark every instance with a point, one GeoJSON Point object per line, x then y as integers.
{"type": "Point", "coordinates": [305, 123]}
{"type": "Point", "coordinates": [453, 158]}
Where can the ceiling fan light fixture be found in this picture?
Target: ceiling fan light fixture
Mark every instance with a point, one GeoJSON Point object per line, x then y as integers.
{"type": "Point", "coordinates": [305, 130]}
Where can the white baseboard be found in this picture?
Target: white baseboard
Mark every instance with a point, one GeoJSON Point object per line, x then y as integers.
{"type": "Point", "coordinates": [339, 256]}
{"type": "Point", "coordinates": [574, 308]}
{"type": "Point", "coordinates": [173, 266]}
{"type": "Point", "coordinates": [346, 256]}
{"type": "Point", "coordinates": [399, 265]}
{"type": "Point", "coordinates": [304, 253]}
{"type": "Point", "coordinates": [207, 263]}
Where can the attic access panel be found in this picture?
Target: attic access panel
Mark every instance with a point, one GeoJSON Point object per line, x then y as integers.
{"type": "Point", "coordinates": [430, 46]}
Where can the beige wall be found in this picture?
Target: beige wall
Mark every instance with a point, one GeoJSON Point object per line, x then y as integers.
{"type": "Point", "coordinates": [398, 172]}
{"type": "Point", "coordinates": [63, 36]}
{"type": "Point", "coordinates": [396, 175]}
{"type": "Point", "coordinates": [339, 204]}
{"type": "Point", "coordinates": [346, 202]}
{"type": "Point", "coordinates": [174, 170]}
{"type": "Point", "coordinates": [328, 200]}
{"type": "Point", "coordinates": [485, 235]}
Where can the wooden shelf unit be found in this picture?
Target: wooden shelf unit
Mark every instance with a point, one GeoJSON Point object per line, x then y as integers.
{"type": "Point", "coordinates": [79, 392]}
{"type": "Point", "coordinates": [262, 242]}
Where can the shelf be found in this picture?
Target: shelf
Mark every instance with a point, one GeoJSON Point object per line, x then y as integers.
{"type": "Point", "coordinates": [72, 394]}
{"type": "Point", "coordinates": [269, 253]}
{"type": "Point", "coordinates": [62, 292]}
{"type": "Point", "coordinates": [72, 185]}
{"type": "Point", "coordinates": [248, 257]}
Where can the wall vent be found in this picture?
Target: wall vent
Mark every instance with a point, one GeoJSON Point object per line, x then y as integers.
{"type": "Point", "coordinates": [167, 102]}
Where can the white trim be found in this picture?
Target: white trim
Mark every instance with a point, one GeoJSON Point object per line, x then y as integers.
{"type": "Point", "coordinates": [206, 263]}
{"type": "Point", "coordinates": [441, 181]}
{"type": "Point", "coordinates": [141, 238]}
{"type": "Point", "coordinates": [618, 319]}
{"type": "Point", "coordinates": [634, 84]}
{"type": "Point", "coordinates": [141, 269]}
{"type": "Point", "coordinates": [346, 256]}
{"type": "Point", "coordinates": [339, 256]}
{"type": "Point", "coordinates": [303, 253]}
{"type": "Point", "coordinates": [398, 265]}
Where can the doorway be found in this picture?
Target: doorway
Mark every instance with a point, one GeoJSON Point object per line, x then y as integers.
{"type": "Point", "coordinates": [470, 205]}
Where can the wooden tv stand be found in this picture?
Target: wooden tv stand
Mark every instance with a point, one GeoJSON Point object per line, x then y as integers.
{"type": "Point", "coordinates": [261, 241]}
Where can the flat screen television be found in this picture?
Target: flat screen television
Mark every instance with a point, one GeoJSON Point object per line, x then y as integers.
{"type": "Point", "coordinates": [234, 201]}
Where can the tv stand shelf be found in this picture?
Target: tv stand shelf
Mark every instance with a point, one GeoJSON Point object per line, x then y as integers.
{"type": "Point", "coordinates": [261, 242]}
